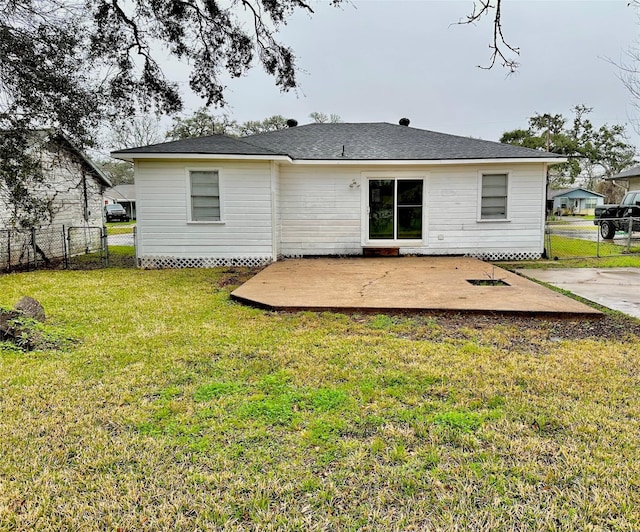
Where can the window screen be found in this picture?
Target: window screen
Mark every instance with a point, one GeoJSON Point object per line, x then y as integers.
{"type": "Point", "coordinates": [205, 196]}
{"type": "Point", "coordinates": [494, 197]}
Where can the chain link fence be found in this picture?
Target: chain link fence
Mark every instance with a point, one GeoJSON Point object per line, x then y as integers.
{"type": "Point", "coordinates": [571, 237]}
{"type": "Point", "coordinates": [92, 247]}
{"type": "Point", "coordinates": [53, 248]}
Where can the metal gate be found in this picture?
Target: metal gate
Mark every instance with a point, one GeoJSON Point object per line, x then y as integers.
{"type": "Point", "coordinates": [53, 247]}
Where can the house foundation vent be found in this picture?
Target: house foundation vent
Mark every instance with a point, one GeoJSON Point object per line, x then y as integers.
{"type": "Point", "coordinates": [159, 263]}
{"type": "Point", "coordinates": [506, 255]}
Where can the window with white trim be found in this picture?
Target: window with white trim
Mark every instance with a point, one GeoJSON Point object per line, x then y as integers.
{"type": "Point", "coordinates": [395, 208]}
{"type": "Point", "coordinates": [205, 195]}
{"type": "Point", "coordinates": [590, 203]}
{"type": "Point", "coordinates": [494, 197]}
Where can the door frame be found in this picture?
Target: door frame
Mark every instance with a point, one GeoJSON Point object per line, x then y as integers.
{"type": "Point", "coordinates": [366, 178]}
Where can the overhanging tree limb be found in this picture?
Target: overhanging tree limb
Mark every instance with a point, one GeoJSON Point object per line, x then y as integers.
{"type": "Point", "coordinates": [500, 48]}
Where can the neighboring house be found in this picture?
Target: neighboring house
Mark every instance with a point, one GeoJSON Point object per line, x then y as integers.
{"type": "Point", "coordinates": [70, 195]}
{"type": "Point", "coordinates": [570, 201]}
{"type": "Point", "coordinates": [336, 189]}
{"type": "Point", "coordinates": [629, 179]}
{"type": "Point", "coordinates": [125, 195]}
{"type": "Point", "coordinates": [73, 187]}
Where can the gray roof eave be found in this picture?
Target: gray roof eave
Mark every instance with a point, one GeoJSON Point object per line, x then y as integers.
{"type": "Point", "coordinates": [132, 155]}
{"type": "Point", "coordinates": [626, 174]}
{"type": "Point", "coordinates": [494, 160]}
{"type": "Point", "coordinates": [337, 161]}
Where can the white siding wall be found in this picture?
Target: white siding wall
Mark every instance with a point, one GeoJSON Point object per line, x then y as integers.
{"type": "Point", "coordinates": [453, 212]}
{"type": "Point", "coordinates": [275, 206]}
{"type": "Point", "coordinates": [319, 211]}
{"type": "Point", "coordinates": [634, 183]}
{"type": "Point", "coordinates": [162, 208]}
{"type": "Point", "coordinates": [67, 185]}
{"type": "Point", "coordinates": [321, 214]}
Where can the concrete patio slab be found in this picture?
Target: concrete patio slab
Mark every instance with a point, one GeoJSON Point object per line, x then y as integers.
{"type": "Point", "coordinates": [615, 288]}
{"type": "Point", "coordinates": [401, 284]}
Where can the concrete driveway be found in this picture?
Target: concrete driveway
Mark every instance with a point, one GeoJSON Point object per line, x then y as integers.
{"type": "Point", "coordinates": [615, 288]}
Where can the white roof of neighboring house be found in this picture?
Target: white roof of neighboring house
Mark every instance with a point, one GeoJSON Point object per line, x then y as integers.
{"type": "Point", "coordinates": [121, 193]}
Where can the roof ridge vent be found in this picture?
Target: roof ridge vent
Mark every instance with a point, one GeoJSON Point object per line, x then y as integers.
{"type": "Point", "coordinates": [292, 122]}
{"type": "Point", "coordinates": [404, 121]}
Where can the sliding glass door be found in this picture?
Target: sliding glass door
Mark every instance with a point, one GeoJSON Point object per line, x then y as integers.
{"type": "Point", "coordinates": [395, 209]}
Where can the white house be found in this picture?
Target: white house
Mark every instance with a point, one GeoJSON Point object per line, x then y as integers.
{"type": "Point", "coordinates": [69, 194]}
{"type": "Point", "coordinates": [629, 179]}
{"type": "Point", "coordinates": [72, 187]}
{"type": "Point", "coordinates": [336, 189]}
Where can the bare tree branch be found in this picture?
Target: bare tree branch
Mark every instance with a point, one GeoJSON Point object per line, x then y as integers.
{"type": "Point", "coordinates": [500, 48]}
{"type": "Point", "coordinates": [629, 71]}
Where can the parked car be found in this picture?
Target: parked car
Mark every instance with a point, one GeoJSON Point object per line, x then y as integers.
{"type": "Point", "coordinates": [612, 218]}
{"type": "Point", "coordinates": [114, 212]}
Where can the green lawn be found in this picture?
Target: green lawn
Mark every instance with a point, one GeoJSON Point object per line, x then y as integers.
{"type": "Point", "coordinates": [578, 253]}
{"type": "Point", "coordinates": [564, 247]}
{"type": "Point", "coordinates": [120, 228]}
{"type": "Point", "coordinates": [170, 407]}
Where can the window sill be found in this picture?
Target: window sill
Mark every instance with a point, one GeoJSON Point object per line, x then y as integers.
{"type": "Point", "coordinates": [392, 243]}
{"type": "Point", "coordinates": [496, 220]}
{"type": "Point", "coordinates": [209, 222]}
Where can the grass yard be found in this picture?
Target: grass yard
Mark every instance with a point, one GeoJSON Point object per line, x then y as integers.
{"type": "Point", "coordinates": [120, 228]}
{"type": "Point", "coordinates": [171, 407]}
{"type": "Point", "coordinates": [567, 248]}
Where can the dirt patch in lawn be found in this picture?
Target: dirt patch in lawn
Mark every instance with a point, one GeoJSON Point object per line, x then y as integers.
{"type": "Point", "coordinates": [233, 277]}
{"type": "Point", "coordinates": [614, 327]}
{"type": "Point", "coordinates": [512, 332]}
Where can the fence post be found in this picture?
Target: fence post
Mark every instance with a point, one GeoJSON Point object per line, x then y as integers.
{"type": "Point", "coordinates": [629, 233]}
{"type": "Point", "coordinates": [69, 248]}
{"type": "Point", "coordinates": [8, 250]}
{"type": "Point", "coordinates": [105, 245]}
{"type": "Point", "coordinates": [65, 258]}
{"type": "Point", "coordinates": [35, 248]}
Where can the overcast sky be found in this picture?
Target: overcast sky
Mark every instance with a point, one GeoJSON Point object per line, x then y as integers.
{"type": "Point", "coordinates": [380, 60]}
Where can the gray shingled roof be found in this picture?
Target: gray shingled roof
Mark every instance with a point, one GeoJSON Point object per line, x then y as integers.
{"type": "Point", "coordinates": [379, 141]}
{"type": "Point", "coordinates": [214, 144]}
{"type": "Point", "coordinates": [345, 141]}
{"type": "Point", "coordinates": [631, 172]}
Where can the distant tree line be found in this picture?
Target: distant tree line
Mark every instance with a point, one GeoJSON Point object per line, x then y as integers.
{"type": "Point", "coordinates": [593, 152]}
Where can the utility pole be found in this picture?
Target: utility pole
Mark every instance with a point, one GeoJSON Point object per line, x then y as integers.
{"type": "Point", "coordinates": [546, 186]}
{"type": "Point", "coordinates": [548, 132]}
